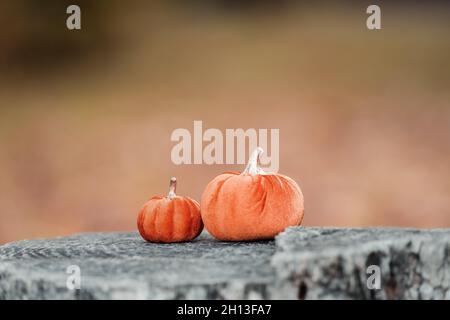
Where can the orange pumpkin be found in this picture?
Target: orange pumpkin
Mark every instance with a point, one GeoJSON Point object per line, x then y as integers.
{"type": "Point", "coordinates": [170, 218]}
{"type": "Point", "coordinates": [252, 205]}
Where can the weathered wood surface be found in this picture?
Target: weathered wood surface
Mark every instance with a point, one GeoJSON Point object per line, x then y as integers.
{"type": "Point", "coordinates": [302, 263]}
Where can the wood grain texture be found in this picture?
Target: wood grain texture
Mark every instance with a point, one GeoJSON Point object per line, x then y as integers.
{"type": "Point", "coordinates": [302, 262]}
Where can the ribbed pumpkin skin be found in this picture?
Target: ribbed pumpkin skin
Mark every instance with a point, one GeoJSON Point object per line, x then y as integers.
{"type": "Point", "coordinates": [170, 220]}
{"type": "Point", "coordinates": [238, 207]}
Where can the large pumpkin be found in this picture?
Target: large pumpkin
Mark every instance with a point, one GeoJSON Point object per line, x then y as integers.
{"type": "Point", "coordinates": [170, 218]}
{"type": "Point", "coordinates": [252, 205]}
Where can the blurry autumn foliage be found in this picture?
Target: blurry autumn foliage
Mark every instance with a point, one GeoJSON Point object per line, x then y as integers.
{"type": "Point", "coordinates": [86, 116]}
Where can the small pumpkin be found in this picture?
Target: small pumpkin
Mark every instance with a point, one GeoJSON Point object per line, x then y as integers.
{"type": "Point", "coordinates": [252, 205]}
{"type": "Point", "coordinates": [170, 218]}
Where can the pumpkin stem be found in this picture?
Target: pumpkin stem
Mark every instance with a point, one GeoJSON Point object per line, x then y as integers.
{"type": "Point", "coordinates": [252, 165]}
{"type": "Point", "coordinates": [172, 188]}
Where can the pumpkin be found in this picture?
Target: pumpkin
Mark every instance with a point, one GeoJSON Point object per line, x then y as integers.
{"type": "Point", "coordinates": [252, 205]}
{"type": "Point", "coordinates": [170, 218]}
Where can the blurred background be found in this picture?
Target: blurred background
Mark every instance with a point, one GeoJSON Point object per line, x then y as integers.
{"type": "Point", "coordinates": [86, 116]}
